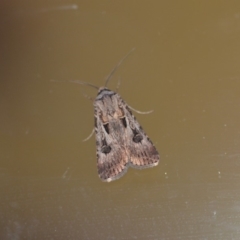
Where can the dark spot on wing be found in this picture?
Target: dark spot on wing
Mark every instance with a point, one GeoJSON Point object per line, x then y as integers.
{"type": "Point", "coordinates": [137, 138]}
{"type": "Point", "coordinates": [106, 149]}
{"type": "Point", "coordinates": [95, 122]}
{"type": "Point", "coordinates": [106, 127]}
{"type": "Point", "coordinates": [124, 122]}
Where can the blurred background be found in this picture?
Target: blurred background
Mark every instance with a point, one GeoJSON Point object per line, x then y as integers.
{"type": "Point", "coordinates": [185, 67]}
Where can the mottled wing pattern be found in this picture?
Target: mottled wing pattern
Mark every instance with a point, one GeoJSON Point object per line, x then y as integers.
{"type": "Point", "coordinates": [112, 160]}
{"type": "Point", "coordinates": [139, 147]}
{"type": "Point", "coordinates": [120, 140]}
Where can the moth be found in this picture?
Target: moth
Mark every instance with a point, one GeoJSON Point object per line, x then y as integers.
{"type": "Point", "coordinates": [120, 140]}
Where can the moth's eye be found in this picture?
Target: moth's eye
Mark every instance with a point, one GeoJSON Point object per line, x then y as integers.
{"type": "Point", "coordinates": [124, 122]}
{"type": "Point", "coordinates": [106, 149]}
{"type": "Point", "coordinates": [106, 127]}
{"type": "Point", "coordinates": [137, 138]}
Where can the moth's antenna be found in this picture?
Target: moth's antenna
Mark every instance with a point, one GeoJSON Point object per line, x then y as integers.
{"type": "Point", "coordinates": [79, 82]}
{"type": "Point", "coordinates": [84, 83]}
{"type": "Point", "coordinates": [116, 67]}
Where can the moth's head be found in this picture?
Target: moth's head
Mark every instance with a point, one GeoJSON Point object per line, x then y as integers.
{"type": "Point", "coordinates": [103, 91]}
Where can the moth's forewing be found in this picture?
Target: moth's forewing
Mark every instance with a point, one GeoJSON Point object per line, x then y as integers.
{"type": "Point", "coordinates": [112, 160]}
{"type": "Point", "coordinates": [142, 152]}
{"type": "Point", "coordinates": [120, 140]}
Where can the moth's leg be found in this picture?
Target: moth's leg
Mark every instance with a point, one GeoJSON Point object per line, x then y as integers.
{"type": "Point", "coordinates": [135, 110]}
{"type": "Point", "coordinates": [89, 136]}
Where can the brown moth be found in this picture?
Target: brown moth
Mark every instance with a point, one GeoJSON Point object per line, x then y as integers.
{"type": "Point", "coordinates": [120, 140]}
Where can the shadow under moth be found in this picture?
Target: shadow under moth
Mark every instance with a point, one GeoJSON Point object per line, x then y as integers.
{"type": "Point", "coordinates": [120, 140]}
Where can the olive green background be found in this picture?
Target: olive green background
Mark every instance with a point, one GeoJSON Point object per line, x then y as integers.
{"type": "Point", "coordinates": [186, 67]}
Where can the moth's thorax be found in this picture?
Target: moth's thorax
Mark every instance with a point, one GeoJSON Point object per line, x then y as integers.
{"type": "Point", "coordinates": [107, 104]}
